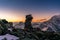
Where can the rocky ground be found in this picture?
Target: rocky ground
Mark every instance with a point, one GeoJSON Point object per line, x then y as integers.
{"type": "Point", "coordinates": [22, 34]}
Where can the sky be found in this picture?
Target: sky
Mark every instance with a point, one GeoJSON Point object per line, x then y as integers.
{"type": "Point", "coordinates": [16, 10]}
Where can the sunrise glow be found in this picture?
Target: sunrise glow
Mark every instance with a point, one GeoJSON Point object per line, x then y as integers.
{"type": "Point", "coordinates": [41, 11]}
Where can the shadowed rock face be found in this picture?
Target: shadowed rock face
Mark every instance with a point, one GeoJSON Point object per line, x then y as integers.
{"type": "Point", "coordinates": [53, 24]}
{"type": "Point", "coordinates": [28, 20]}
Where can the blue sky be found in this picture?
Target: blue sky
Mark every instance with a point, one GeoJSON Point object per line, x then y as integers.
{"type": "Point", "coordinates": [38, 8]}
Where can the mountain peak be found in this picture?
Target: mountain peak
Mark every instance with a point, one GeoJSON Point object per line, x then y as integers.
{"type": "Point", "coordinates": [53, 24]}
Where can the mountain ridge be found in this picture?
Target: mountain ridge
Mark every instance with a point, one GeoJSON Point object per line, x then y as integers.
{"type": "Point", "coordinates": [53, 24]}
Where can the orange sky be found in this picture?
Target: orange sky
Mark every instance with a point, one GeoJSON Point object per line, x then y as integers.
{"type": "Point", "coordinates": [41, 10]}
{"type": "Point", "coordinates": [17, 16]}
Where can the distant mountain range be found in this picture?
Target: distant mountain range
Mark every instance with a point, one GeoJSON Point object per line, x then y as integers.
{"type": "Point", "coordinates": [51, 25]}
